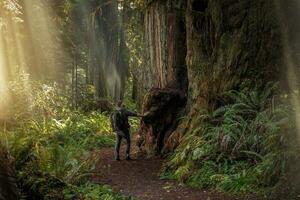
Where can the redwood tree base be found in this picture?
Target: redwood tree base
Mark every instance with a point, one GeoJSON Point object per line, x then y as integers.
{"type": "Point", "coordinates": [163, 108]}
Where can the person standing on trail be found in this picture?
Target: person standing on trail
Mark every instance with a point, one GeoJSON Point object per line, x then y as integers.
{"type": "Point", "coordinates": [121, 127]}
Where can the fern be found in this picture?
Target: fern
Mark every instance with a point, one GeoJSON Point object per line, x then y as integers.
{"type": "Point", "coordinates": [248, 131]}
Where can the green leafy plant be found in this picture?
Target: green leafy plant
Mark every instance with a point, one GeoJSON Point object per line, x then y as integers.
{"type": "Point", "coordinates": [240, 147]}
{"type": "Point", "coordinates": [53, 146]}
{"type": "Point", "coordinates": [91, 191]}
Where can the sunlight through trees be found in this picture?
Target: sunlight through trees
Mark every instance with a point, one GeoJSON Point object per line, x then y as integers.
{"type": "Point", "coordinates": [216, 82]}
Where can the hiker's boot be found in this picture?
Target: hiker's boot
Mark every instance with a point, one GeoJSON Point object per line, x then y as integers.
{"type": "Point", "coordinates": [128, 157]}
{"type": "Point", "coordinates": [117, 158]}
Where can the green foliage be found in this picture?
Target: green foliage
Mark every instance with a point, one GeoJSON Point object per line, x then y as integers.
{"type": "Point", "coordinates": [60, 148]}
{"type": "Point", "coordinates": [91, 191]}
{"type": "Point", "coordinates": [240, 147]}
{"type": "Point", "coordinates": [54, 147]}
{"type": "Point", "coordinates": [31, 99]}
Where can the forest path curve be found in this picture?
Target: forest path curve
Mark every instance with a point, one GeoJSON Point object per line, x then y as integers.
{"type": "Point", "coordinates": [139, 178]}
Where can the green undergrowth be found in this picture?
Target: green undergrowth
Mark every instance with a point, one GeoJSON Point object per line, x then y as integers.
{"type": "Point", "coordinates": [54, 156]}
{"type": "Point", "coordinates": [93, 192]}
{"type": "Point", "coordinates": [55, 149]}
{"type": "Point", "coordinates": [239, 148]}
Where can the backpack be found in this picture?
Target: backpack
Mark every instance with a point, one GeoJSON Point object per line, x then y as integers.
{"type": "Point", "coordinates": [117, 120]}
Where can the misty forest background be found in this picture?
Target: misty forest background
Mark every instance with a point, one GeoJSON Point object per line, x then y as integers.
{"type": "Point", "coordinates": [218, 79]}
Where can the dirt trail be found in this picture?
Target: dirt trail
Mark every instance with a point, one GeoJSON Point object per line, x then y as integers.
{"type": "Point", "coordinates": [139, 178]}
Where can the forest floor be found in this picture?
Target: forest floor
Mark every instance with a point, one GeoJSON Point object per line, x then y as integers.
{"type": "Point", "coordinates": [139, 178]}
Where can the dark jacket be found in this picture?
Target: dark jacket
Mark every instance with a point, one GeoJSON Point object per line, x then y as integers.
{"type": "Point", "coordinates": [119, 119]}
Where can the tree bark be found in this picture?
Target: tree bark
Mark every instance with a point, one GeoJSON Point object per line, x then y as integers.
{"type": "Point", "coordinates": [227, 43]}
{"type": "Point", "coordinates": [165, 44]}
{"type": "Point", "coordinates": [165, 41]}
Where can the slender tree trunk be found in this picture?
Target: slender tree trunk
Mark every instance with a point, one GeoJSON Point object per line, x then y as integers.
{"type": "Point", "coordinates": [73, 85]}
{"type": "Point", "coordinates": [76, 83]}
{"type": "Point", "coordinates": [108, 53]}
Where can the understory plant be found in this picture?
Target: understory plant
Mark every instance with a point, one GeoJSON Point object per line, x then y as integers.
{"type": "Point", "coordinates": [54, 147]}
{"type": "Point", "coordinates": [240, 147]}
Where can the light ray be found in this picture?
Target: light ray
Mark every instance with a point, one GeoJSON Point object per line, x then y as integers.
{"type": "Point", "coordinates": [4, 97]}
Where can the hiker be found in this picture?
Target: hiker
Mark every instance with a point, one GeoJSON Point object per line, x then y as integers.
{"type": "Point", "coordinates": [121, 127]}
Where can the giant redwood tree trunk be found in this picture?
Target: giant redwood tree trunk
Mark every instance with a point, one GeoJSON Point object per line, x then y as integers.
{"type": "Point", "coordinates": [225, 42]}
{"type": "Point", "coordinates": [165, 55]}
{"type": "Point", "coordinates": [166, 44]}
{"type": "Point", "coordinates": [230, 42]}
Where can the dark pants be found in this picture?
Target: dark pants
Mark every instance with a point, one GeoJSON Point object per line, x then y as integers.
{"type": "Point", "coordinates": [119, 135]}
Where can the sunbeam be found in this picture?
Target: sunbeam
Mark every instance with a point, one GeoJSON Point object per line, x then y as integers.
{"type": "Point", "coordinates": [32, 47]}
{"type": "Point", "coordinates": [213, 89]}
{"type": "Point", "coordinates": [290, 28]}
{"type": "Point", "coordinates": [45, 39]}
{"type": "Point", "coordinates": [4, 97]}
